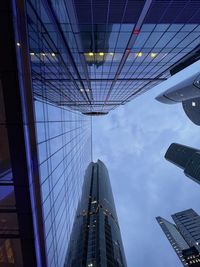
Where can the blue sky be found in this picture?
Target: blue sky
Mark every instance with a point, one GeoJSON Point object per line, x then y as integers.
{"type": "Point", "coordinates": [132, 141]}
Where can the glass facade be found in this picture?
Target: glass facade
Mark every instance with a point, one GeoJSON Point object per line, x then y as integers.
{"type": "Point", "coordinates": [173, 235]}
{"type": "Point", "coordinates": [188, 223]}
{"type": "Point", "coordinates": [60, 59]}
{"type": "Point", "coordinates": [96, 239]}
{"type": "Point", "coordinates": [100, 62]}
{"type": "Point", "coordinates": [45, 146]}
{"type": "Point", "coordinates": [187, 158]}
{"type": "Point", "coordinates": [64, 150]}
{"type": "Point", "coordinates": [184, 236]}
{"type": "Point", "coordinates": [192, 169]}
{"type": "Point", "coordinates": [179, 154]}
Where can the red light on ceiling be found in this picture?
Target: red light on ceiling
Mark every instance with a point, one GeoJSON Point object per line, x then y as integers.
{"type": "Point", "coordinates": [136, 31]}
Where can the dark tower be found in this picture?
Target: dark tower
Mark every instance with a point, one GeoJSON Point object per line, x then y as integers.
{"type": "Point", "coordinates": [187, 158]}
{"type": "Point", "coordinates": [184, 236]}
{"type": "Point", "coordinates": [96, 239]}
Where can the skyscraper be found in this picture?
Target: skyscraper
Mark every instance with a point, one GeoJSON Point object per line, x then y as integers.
{"type": "Point", "coordinates": [184, 87]}
{"type": "Point", "coordinates": [60, 59]}
{"type": "Point", "coordinates": [96, 239]}
{"type": "Point", "coordinates": [187, 158]}
{"type": "Point", "coordinates": [184, 236]}
{"type": "Point", "coordinates": [44, 150]}
{"type": "Point", "coordinates": [101, 54]}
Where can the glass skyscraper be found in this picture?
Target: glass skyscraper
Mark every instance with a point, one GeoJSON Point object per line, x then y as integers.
{"type": "Point", "coordinates": [96, 239]}
{"type": "Point", "coordinates": [187, 158]}
{"type": "Point", "coordinates": [184, 236]}
{"type": "Point", "coordinates": [60, 59]}
{"type": "Point", "coordinates": [184, 87]}
{"type": "Point", "coordinates": [44, 151]}
{"type": "Point", "coordinates": [101, 54]}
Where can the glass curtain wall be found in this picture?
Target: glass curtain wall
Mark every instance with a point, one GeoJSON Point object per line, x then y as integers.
{"type": "Point", "coordinates": [63, 140]}
{"type": "Point", "coordinates": [100, 62]}
{"type": "Point", "coordinates": [63, 134]}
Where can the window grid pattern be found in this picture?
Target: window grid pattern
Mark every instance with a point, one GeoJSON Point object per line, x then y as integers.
{"type": "Point", "coordinates": [189, 225]}
{"type": "Point", "coordinates": [184, 236]}
{"type": "Point", "coordinates": [107, 71]}
{"type": "Point", "coordinates": [175, 238]}
{"type": "Point", "coordinates": [158, 45]}
{"type": "Point", "coordinates": [52, 67]}
{"type": "Point", "coordinates": [64, 148]}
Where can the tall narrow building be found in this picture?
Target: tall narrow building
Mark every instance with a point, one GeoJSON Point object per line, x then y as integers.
{"type": "Point", "coordinates": [96, 239]}
{"type": "Point", "coordinates": [187, 158]}
{"type": "Point", "coordinates": [184, 236]}
{"type": "Point", "coordinates": [44, 151]}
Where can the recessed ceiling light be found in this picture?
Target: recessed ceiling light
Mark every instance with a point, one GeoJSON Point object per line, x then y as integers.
{"type": "Point", "coordinates": [139, 54]}
{"type": "Point", "coordinates": [153, 55]}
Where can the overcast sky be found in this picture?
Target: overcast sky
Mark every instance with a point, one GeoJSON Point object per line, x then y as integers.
{"type": "Point", "coordinates": [132, 141]}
